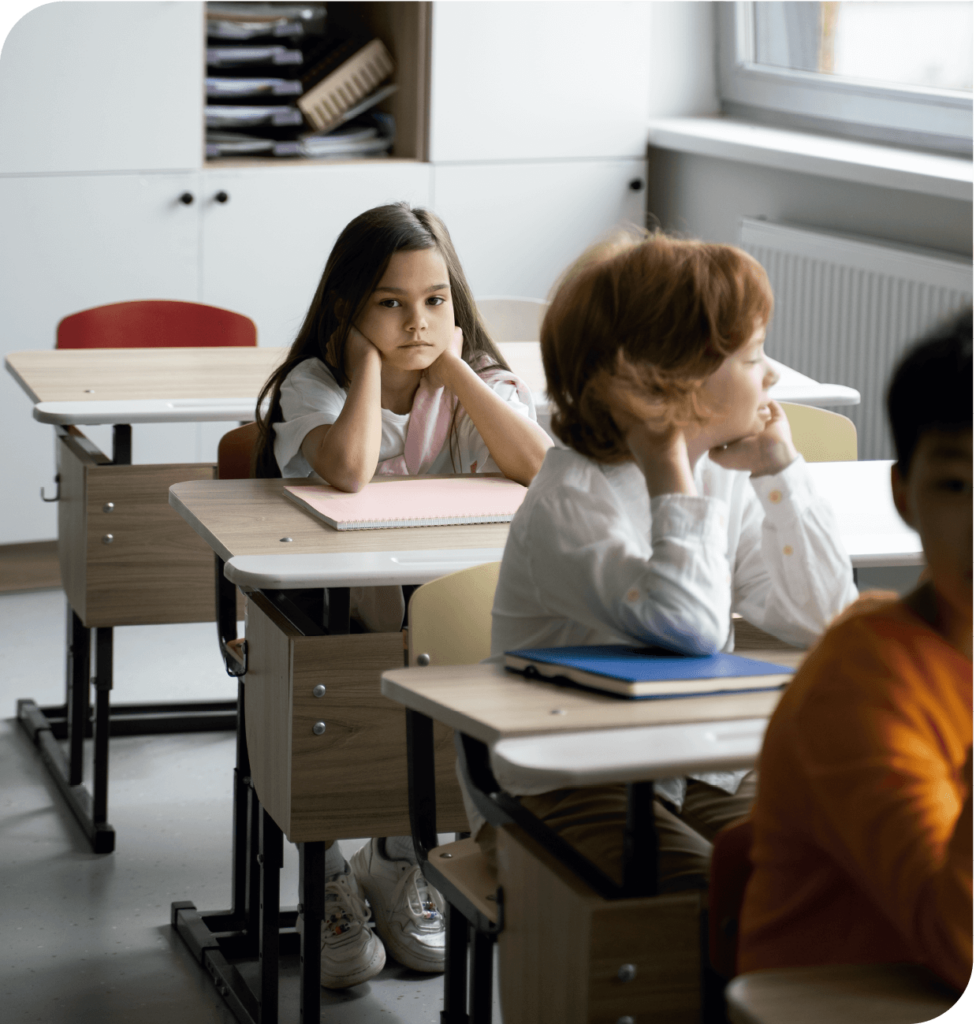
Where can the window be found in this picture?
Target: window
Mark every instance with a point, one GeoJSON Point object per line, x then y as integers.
{"type": "Point", "coordinates": [889, 72]}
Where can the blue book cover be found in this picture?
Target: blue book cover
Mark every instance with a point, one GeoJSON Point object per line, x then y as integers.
{"type": "Point", "coordinates": [648, 672]}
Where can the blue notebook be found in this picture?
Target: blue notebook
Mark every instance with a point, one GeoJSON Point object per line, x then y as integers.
{"type": "Point", "coordinates": [647, 673]}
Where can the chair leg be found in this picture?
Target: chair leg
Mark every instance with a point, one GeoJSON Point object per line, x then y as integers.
{"type": "Point", "coordinates": [455, 969]}
{"type": "Point", "coordinates": [482, 963]}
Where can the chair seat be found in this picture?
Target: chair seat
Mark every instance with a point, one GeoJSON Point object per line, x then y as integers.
{"type": "Point", "coordinates": [463, 864]}
{"type": "Point", "coordinates": [840, 994]}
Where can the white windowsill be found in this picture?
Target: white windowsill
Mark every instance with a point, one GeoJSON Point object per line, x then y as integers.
{"type": "Point", "coordinates": [845, 159]}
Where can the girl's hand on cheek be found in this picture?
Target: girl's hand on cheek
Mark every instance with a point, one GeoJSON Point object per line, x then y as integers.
{"type": "Point", "coordinates": [763, 454]}
{"type": "Point", "coordinates": [440, 371]}
{"type": "Point", "coordinates": [359, 349]}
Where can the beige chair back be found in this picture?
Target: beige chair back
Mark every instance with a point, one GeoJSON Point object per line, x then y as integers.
{"type": "Point", "coordinates": [450, 618]}
{"type": "Point", "coordinates": [512, 319]}
{"type": "Point", "coordinates": [821, 436]}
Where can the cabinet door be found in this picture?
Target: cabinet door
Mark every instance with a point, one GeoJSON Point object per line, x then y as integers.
{"type": "Point", "coordinates": [516, 227]}
{"type": "Point", "coordinates": [103, 87]}
{"type": "Point", "coordinates": [71, 243]}
{"type": "Point", "coordinates": [529, 80]}
{"type": "Point", "coordinates": [265, 246]}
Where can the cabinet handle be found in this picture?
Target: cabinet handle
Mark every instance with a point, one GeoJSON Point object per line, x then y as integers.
{"type": "Point", "coordinates": [636, 185]}
{"type": "Point", "coordinates": [221, 197]}
{"type": "Point", "coordinates": [187, 198]}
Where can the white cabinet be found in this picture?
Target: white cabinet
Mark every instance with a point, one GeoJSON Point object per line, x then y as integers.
{"type": "Point", "coordinates": [516, 227]}
{"type": "Point", "coordinates": [533, 81]}
{"type": "Point", "coordinates": [103, 87]}
{"type": "Point", "coordinates": [70, 243]}
{"type": "Point", "coordinates": [264, 247]}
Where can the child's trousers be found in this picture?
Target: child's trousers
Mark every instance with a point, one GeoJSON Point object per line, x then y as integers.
{"type": "Point", "coordinates": [592, 820]}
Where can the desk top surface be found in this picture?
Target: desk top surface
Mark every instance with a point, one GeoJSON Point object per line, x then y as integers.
{"type": "Point", "coordinates": [126, 374]}
{"type": "Point", "coordinates": [490, 704]}
{"type": "Point", "coordinates": [243, 519]}
{"type": "Point", "coordinates": [160, 385]}
{"type": "Point", "coordinates": [250, 517]}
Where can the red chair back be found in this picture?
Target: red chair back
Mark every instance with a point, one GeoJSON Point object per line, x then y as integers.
{"type": "Point", "coordinates": [156, 323]}
{"type": "Point", "coordinates": [730, 871]}
{"type": "Point", "coordinates": [235, 453]}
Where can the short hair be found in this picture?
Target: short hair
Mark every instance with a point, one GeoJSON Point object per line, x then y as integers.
{"type": "Point", "coordinates": [932, 387]}
{"type": "Point", "coordinates": [665, 310]}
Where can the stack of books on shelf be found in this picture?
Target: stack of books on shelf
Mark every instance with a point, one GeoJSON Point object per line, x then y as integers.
{"type": "Point", "coordinates": [283, 81]}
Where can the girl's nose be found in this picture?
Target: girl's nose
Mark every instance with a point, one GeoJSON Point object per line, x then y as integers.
{"type": "Point", "coordinates": [416, 318]}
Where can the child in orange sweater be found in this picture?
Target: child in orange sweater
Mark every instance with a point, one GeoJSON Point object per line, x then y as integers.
{"type": "Point", "coordinates": [863, 823]}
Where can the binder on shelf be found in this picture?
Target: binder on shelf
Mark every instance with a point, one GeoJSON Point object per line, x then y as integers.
{"type": "Point", "coordinates": [219, 144]}
{"type": "Point", "coordinates": [647, 673]}
{"type": "Point", "coordinates": [226, 57]}
{"type": "Point", "coordinates": [241, 22]}
{"type": "Point", "coordinates": [324, 103]}
{"type": "Point", "coordinates": [251, 88]}
{"type": "Point", "coordinates": [396, 502]}
{"type": "Point", "coordinates": [252, 117]}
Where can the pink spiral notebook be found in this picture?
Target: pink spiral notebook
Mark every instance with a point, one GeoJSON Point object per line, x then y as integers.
{"type": "Point", "coordinates": [413, 501]}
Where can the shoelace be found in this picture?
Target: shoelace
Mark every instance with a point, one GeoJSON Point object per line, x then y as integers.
{"type": "Point", "coordinates": [344, 908]}
{"type": "Point", "coordinates": [424, 903]}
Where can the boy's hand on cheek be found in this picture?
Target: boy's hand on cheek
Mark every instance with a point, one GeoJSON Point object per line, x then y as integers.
{"type": "Point", "coordinates": [763, 454]}
{"type": "Point", "coordinates": [441, 370]}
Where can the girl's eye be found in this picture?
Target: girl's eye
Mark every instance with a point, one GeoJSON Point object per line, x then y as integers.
{"type": "Point", "coordinates": [436, 300]}
{"type": "Point", "coordinates": [389, 303]}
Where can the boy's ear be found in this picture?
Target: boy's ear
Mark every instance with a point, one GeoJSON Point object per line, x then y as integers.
{"type": "Point", "coordinates": [899, 494]}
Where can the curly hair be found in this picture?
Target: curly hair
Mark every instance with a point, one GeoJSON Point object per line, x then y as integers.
{"type": "Point", "coordinates": [656, 312]}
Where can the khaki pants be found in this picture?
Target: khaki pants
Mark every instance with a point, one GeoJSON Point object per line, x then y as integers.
{"type": "Point", "coordinates": [592, 820]}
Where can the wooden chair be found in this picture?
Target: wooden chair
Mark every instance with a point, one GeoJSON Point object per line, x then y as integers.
{"type": "Point", "coordinates": [450, 624]}
{"type": "Point", "coordinates": [840, 994]}
{"type": "Point", "coordinates": [235, 461]}
{"type": "Point", "coordinates": [729, 874]}
{"type": "Point", "coordinates": [512, 319]}
{"type": "Point", "coordinates": [820, 435]}
{"type": "Point", "coordinates": [155, 323]}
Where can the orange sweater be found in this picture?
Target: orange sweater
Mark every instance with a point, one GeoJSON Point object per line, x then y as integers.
{"type": "Point", "coordinates": [863, 824]}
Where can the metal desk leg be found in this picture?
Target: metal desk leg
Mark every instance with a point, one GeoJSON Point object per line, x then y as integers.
{"type": "Point", "coordinates": [640, 842]}
{"type": "Point", "coordinates": [103, 687]}
{"type": "Point", "coordinates": [270, 862]}
{"type": "Point", "coordinates": [76, 685]}
{"type": "Point", "coordinates": [456, 968]}
{"type": "Point", "coordinates": [311, 898]}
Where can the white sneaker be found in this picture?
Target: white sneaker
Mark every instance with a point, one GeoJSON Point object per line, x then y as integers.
{"type": "Point", "coordinates": [350, 952]}
{"type": "Point", "coordinates": [409, 913]}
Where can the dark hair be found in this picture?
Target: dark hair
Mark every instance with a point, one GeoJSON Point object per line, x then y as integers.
{"type": "Point", "coordinates": [932, 387]}
{"type": "Point", "coordinates": [663, 311]}
{"type": "Point", "coordinates": [354, 268]}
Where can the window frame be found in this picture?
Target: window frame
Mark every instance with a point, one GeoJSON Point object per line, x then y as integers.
{"type": "Point", "coordinates": [921, 118]}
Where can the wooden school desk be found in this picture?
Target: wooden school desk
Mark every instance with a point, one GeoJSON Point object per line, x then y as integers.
{"type": "Point", "coordinates": [555, 737]}
{"type": "Point", "coordinates": [321, 753]}
{"type": "Point", "coordinates": [126, 558]}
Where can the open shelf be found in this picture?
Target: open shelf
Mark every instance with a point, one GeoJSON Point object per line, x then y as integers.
{"type": "Point", "coordinates": [404, 28]}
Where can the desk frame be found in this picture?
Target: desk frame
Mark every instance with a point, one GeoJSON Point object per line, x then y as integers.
{"type": "Point", "coordinates": [89, 662]}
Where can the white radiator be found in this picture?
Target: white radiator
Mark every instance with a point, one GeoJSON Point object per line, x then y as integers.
{"type": "Point", "coordinates": [847, 307]}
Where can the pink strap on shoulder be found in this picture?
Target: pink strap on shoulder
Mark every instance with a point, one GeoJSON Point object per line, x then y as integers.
{"type": "Point", "coordinates": [430, 421]}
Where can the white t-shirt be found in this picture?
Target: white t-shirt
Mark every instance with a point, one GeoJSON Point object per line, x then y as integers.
{"type": "Point", "coordinates": [591, 559]}
{"type": "Point", "coordinates": [310, 397]}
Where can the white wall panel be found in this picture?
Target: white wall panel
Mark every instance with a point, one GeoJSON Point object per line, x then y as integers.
{"type": "Point", "coordinates": [103, 87]}
{"type": "Point", "coordinates": [265, 248]}
{"type": "Point", "coordinates": [69, 244]}
{"type": "Point", "coordinates": [517, 226]}
{"type": "Point", "coordinates": [530, 80]}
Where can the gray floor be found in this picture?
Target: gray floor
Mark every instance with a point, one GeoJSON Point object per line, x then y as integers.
{"type": "Point", "coordinates": [85, 939]}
